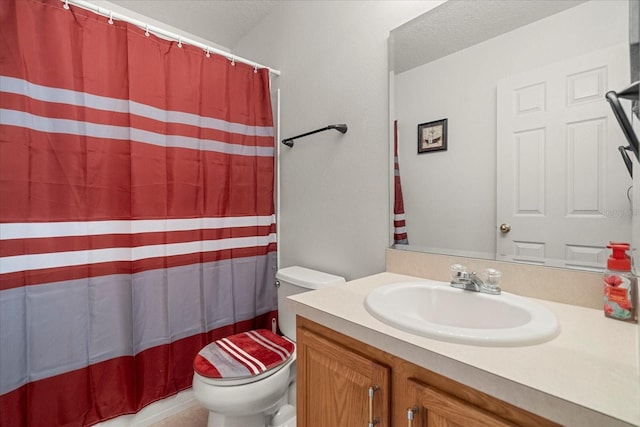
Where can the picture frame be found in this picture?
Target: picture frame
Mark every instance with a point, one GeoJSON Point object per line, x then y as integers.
{"type": "Point", "coordinates": [432, 136]}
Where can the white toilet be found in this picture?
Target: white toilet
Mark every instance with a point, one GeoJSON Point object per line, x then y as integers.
{"type": "Point", "coordinates": [248, 379]}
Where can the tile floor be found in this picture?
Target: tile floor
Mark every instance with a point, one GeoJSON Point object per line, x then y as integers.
{"type": "Point", "coordinates": [194, 416]}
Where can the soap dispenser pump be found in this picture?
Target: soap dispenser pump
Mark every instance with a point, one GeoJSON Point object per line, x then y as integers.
{"type": "Point", "coordinates": [620, 285]}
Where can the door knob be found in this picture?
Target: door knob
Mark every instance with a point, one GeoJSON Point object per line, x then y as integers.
{"type": "Point", "coordinates": [505, 228]}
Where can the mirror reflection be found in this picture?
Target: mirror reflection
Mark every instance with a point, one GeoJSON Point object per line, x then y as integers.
{"type": "Point", "coordinates": [531, 170]}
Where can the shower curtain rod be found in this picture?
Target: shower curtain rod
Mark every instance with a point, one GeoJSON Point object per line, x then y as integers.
{"type": "Point", "coordinates": [159, 31]}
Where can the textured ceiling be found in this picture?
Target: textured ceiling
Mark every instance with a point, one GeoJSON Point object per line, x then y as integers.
{"type": "Point", "coordinates": [458, 24]}
{"type": "Point", "coordinates": [223, 22]}
{"type": "Point", "coordinates": [455, 25]}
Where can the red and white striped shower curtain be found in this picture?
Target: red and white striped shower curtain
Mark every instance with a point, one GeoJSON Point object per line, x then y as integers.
{"type": "Point", "coordinates": [136, 212]}
{"type": "Point", "coordinates": [400, 236]}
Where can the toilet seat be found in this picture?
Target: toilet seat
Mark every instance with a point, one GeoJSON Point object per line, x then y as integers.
{"type": "Point", "coordinates": [227, 382]}
{"type": "Point", "coordinates": [243, 358]}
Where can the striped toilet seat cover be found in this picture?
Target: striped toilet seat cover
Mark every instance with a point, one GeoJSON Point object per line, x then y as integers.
{"type": "Point", "coordinates": [243, 355]}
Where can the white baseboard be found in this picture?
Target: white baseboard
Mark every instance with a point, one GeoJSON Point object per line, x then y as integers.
{"type": "Point", "coordinates": [155, 412]}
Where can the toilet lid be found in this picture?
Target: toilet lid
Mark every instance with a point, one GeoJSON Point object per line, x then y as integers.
{"type": "Point", "coordinates": [243, 355]}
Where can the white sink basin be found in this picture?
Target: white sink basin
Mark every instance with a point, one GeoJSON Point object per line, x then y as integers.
{"type": "Point", "coordinates": [436, 310]}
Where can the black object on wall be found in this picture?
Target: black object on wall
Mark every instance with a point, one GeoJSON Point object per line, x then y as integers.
{"type": "Point", "coordinates": [342, 128]}
{"type": "Point", "coordinates": [631, 93]}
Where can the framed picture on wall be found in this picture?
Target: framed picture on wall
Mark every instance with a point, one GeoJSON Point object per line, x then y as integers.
{"type": "Point", "coordinates": [432, 136]}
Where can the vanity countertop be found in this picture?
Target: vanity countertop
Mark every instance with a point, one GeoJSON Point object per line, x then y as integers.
{"type": "Point", "coordinates": [587, 376]}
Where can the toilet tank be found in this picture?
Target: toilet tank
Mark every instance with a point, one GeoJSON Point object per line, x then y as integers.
{"type": "Point", "coordinates": [294, 280]}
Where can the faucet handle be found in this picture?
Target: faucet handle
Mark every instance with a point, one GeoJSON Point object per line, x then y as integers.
{"type": "Point", "coordinates": [458, 271]}
{"type": "Point", "coordinates": [491, 280]}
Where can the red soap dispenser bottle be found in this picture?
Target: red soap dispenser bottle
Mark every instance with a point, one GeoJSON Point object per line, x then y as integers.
{"type": "Point", "coordinates": [620, 285]}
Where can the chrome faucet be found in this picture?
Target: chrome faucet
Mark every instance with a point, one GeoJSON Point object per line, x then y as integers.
{"type": "Point", "coordinates": [466, 281]}
{"type": "Point", "coordinates": [461, 279]}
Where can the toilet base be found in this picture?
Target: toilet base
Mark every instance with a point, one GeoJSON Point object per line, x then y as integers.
{"type": "Point", "coordinates": [284, 417]}
{"type": "Point", "coordinates": [290, 423]}
{"type": "Point", "coordinates": [218, 420]}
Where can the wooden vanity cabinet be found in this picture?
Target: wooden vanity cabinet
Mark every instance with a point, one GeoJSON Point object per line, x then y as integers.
{"type": "Point", "coordinates": [435, 408]}
{"type": "Point", "coordinates": [334, 373]}
{"type": "Point", "coordinates": [338, 387]}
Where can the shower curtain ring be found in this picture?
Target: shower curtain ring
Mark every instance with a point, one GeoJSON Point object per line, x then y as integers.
{"type": "Point", "coordinates": [110, 18]}
{"type": "Point", "coordinates": [233, 61]}
{"type": "Point", "coordinates": [146, 30]}
{"type": "Point", "coordinates": [180, 42]}
{"type": "Point", "coordinates": [208, 55]}
{"type": "Point", "coordinates": [66, 4]}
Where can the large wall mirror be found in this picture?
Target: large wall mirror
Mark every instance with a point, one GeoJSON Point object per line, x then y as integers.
{"type": "Point", "coordinates": [532, 170]}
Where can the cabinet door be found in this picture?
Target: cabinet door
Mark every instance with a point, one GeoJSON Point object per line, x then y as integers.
{"type": "Point", "coordinates": [333, 385]}
{"type": "Point", "coordinates": [434, 408]}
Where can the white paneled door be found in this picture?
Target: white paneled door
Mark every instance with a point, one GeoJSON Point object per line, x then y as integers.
{"type": "Point", "coordinates": [562, 184]}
